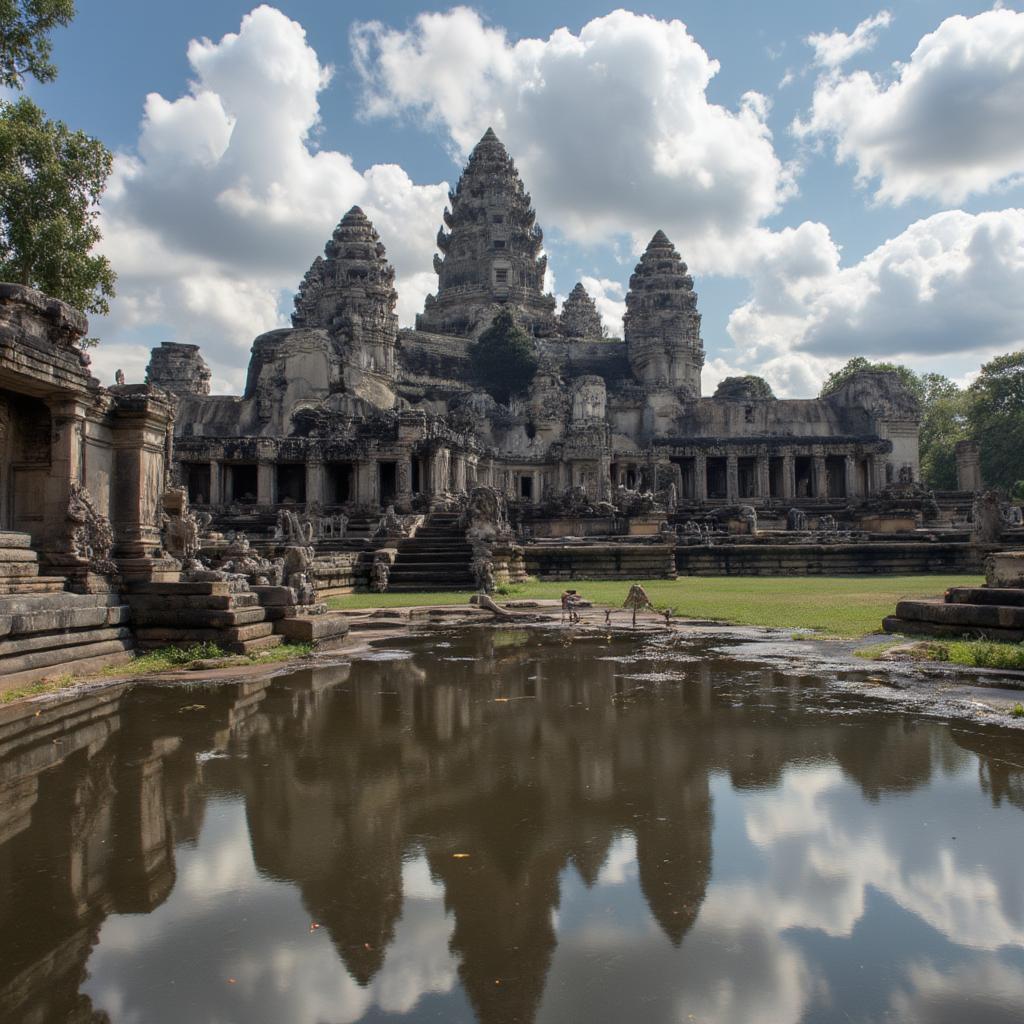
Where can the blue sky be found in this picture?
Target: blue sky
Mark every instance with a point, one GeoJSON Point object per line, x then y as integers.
{"type": "Point", "coordinates": [857, 196]}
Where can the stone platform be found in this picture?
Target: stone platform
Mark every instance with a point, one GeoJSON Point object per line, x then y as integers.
{"type": "Point", "coordinates": [45, 630]}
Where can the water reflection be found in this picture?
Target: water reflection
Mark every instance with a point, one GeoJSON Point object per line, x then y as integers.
{"type": "Point", "coordinates": [507, 827]}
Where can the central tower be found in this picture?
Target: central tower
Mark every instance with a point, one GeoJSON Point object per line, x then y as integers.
{"type": "Point", "coordinates": [490, 254]}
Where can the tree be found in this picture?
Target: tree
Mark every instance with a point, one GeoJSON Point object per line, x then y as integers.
{"type": "Point", "coordinates": [504, 359]}
{"type": "Point", "coordinates": [51, 180]}
{"type": "Point", "coordinates": [25, 45]}
{"type": "Point", "coordinates": [943, 423]}
{"type": "Point", "coordinates": [995, 417]}
{"type": "Point", "coordinates": [836, 380]}
{"type": "Point", "coordinates": [744, 388]}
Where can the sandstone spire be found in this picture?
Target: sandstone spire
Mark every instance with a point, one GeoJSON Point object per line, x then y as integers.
{"type": "Point", "coordinates": [490, 252]}
{"type": "Point", "coordinates": [350, 291]}
{"type": "Point", "coordinates": [662, 325]}
{"type": "Point", "coordinates": [579, 317]}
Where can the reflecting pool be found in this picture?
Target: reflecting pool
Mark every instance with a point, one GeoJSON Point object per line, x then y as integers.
{"type": "Point", "coordinates": [508, 826]}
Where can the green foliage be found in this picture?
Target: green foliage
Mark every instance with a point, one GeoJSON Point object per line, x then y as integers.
{"type": "Point", "coordinates": [836, 380]}
{"type": "Point", "coordinates": [1018, 710]}
{"type": "Point", "coordinates": [943, 423]}
{"type": "Point", "coordinates": [504, 359]}
{"type": "Point", "coordinates": [749, 386]}
{"type": "Point", "coordinates": [51, 180]}
{"type": "Point", "coordinates": [25, 45]}
{"type": "Point", "coordinates": [995, 414]}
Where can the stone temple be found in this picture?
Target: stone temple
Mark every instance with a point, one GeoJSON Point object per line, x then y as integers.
{"type": "Point", "coordinates": [344, 409]}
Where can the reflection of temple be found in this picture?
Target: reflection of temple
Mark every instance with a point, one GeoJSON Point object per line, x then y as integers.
{"type": "Point", "coordinates": [526, 759]}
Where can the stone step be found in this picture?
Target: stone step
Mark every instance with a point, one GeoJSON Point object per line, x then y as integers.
{"type": "Point", "coordinates": [54, 641]}
{"type": "Point", "coordinates": [9, 539]}
{"type": "Point", "coordinates": [431, 558]}
{"type": "Point", "coordinates": [199, 618]}
{"type": "Point", "coordinates": [14, 604]}
{"type": "Point", "coordinates": [192, 602]}
{"type": "Point", "coordinates": [430, 586]}
{"type": "Point", "coordinates": [312, 628]}
{"type": "Point", "coordinates": [17, 555]}
{"type": "Point", "coordinates": [918, 627]}
{"type": "Point", "coordinates": [964, 616]}
{"type": "Point", "coordinates": [179, 635]}
{"type": "Point", "coordinates": [52, 620]}
{"type": "Point", "coordinates": [32, 585]}
{"type": "Point", "coordinates": [87, 647]}
{"type": "Point", "coordinates": [218, 588]}
{"type": "Point", "coordinates": [986, 595]}
{"type": "Point", "coordinates": [18, 570]}
{"type": "Point", "coordinates": [81, 661]}
{"type": "Point", "coordinates": [438, 572]}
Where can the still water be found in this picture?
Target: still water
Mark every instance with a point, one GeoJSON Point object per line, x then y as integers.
{"type": "Point", "coordinates": [508, 826]}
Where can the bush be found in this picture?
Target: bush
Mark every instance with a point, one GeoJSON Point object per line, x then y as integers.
{"type": "Point", "coordinates": [504, 359]}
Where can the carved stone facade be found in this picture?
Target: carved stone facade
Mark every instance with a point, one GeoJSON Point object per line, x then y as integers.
{"type": "Point", "coordinates": [179, 369]}
{"type": "Point", "coordinates": [346, 414]}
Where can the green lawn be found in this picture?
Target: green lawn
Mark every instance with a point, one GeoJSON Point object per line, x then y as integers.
{"type": "Point", "coordinates": [838, 605]}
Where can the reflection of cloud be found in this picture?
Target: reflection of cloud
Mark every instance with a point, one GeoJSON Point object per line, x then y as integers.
{"type": "Point", "coordinates": [824, 852]}
{"type": "Point", "coordinates": [283, 969]}
{"type": "Point", "coordinates": [620, 865]}
{"type": "Point", "coordinates": [990, 991]}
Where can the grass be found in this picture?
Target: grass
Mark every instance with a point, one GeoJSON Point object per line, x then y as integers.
{"type": "Point", "coordinates": [970, 653]}
{"type": "Point", "coordinates": [845, 606]}
{"type": "Point", "coordinates": [35, 689]}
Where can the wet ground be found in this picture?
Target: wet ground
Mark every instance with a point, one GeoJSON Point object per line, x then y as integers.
{"type": "Point", "coordinates": [519, 824]}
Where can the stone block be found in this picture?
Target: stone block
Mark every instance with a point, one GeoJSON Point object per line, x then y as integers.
{"type": "Point", "coordinates": [270, 596]}
{"type": "Point", "coordinates": [312, 629]}
{"type": "Point", "coordinates": [14, 540]}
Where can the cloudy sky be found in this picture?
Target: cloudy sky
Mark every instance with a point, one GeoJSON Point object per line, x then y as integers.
{"type": "Point", "coordinates": [842, 179]}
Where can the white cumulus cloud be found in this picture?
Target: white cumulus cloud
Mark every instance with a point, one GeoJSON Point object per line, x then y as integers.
{"type": "Point", "coordinates": [831, 49]}
{"type": "Point", "coordinates": [948, 125]}
{"type": "Point", "coordinates": [227, 199]}
{"type": "Point", "coordinates": [706, 174]}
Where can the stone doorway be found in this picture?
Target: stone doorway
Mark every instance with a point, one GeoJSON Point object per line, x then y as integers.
{"type": "Point", "coordinates": [25, 431]}
{"type": "Point", "coordinates": [718, 478]}
{"type": "Point", "coordinates": [388, 482]}
{"type": "Point", "coordinates": [242, 483]}
{"type": "Point", "coordinates": [804, 467]}
{"type": "Point", "coordinates": [291, 483]}
{"type": "Point", "coordinates": [687, 477]}
{"type": "Point", "coordinates": [746, 474]}
{"type": "Point", "coordinates": [835, 474]}
{"type": "Point", "coordinates": [338, 478]}
{"type": "Point", "coordinates": [776, 477]}
{"type": "Point", "coordinates": [197, 482]}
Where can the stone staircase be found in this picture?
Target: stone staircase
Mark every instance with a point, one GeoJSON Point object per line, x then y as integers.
{"type": "Point", "coordinates": [45, 630]}
{"type": "Point", "coordinates": [991, 613]}
{"type": "Point", "coordinates": [437, 558]}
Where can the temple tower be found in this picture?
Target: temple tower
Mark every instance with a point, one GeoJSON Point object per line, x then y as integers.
{"type": "Point", "coordinates": [179, 369]}
{"type": "Point", "coordinates": [490, 254]}
{"type": "Point", "coordinates": [350, 292]}
{"type": "Point", "coordinates": [662, 325]}
{"type": "Point", "coordinates": [579, 317]}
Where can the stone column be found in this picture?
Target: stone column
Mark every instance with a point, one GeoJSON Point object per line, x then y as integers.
{"type": "Point", "coordinates": [459, 473]}
{"type": "Point", "coordinates": [700, 477]}
{"type": "Point", "coordinates": [140, 422]}
{"type": "Point", "coordinates": [216, 482]}
{"type": "Point", "coordinates": [763, 486]}
{"type": "Point", "coordinates": [266, 481]}
{"type": "Point", "coordinates": [732, 479]}
{"type": "Point", "coordinates": [66, 467]}
{"type": "Point", "coordinates": [314, 481]}
{"type": "Point", "coordinates": [788, 476]}
{"type": "Point", "coordinates": [819, 483]}
{"type": "Point", "coordinates": [968, 466]}
{"type": "Point", "coordinates": [876, 473]}
{"type": "Point", "coordinates": [850, 467]}
{"type": "Point", "coordinates": [367, 490]}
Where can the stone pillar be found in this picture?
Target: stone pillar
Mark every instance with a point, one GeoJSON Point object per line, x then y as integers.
{"type": "Point", "coordinates": [850, 467]}
{"type": "Point", "coordinates": [216, 482]}
{"type": "Point", "coordinates": [266, 481]}
{"type": "Point", "coordinates": [66, 467]}
{"type": "Point", "coordinates": [314, 482]}
{"type": "Point", "coordinates": [763, 485]}
{"type": "Point", "coordinates": [732, 479]}
{"type": "Point", "coordinates": [459, 473]}
{"type": "Point", "coordinates": [140, 421]}
{"type": "Point", "coordinates": [700, 477]}
{"type": "Point", "coordinates": [968, 466]}
{"type": "Point", "coordinates": [876, 473]}
{"type": "Point", "coordinates": [819, 482]}
{"type": "Point", "coordinates": [367, 490]}
{"type": "Point", "coordinates": [789, 476]}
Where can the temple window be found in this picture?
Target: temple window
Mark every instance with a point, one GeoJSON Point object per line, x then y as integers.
{"type": "Point", "coordinates": [501, 276]}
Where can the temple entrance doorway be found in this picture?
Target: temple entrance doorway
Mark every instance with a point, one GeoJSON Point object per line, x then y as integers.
{"type": "Point", "coordinates": [746, 474]}
{"type": "Point", "coordinates": [718, 486]}
{"type": "Point", "coordinates": [25, 430]}
{"type": "Point", "coordinates": [242, 485]}
{"type": "Point", "coordinates": [388, 482]}
{"type": "Point", "coordinates": [291, 483]}
{"type": "Point", "coordinates": [197, 482]}
{"type": "Point", "coordinates": [776, 477]}
{"type": "Point", "coordinates": [687, 478]}
{"type": "Point", "coordinates": [835, 474]}
{"type": "Point", "coordinates": [804, 467]}
{"type": "Point", "coordinates": [338, 482]}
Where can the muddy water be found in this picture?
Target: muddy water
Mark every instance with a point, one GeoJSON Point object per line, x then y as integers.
{"type": "Point", "coordinates": [508, 826]}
